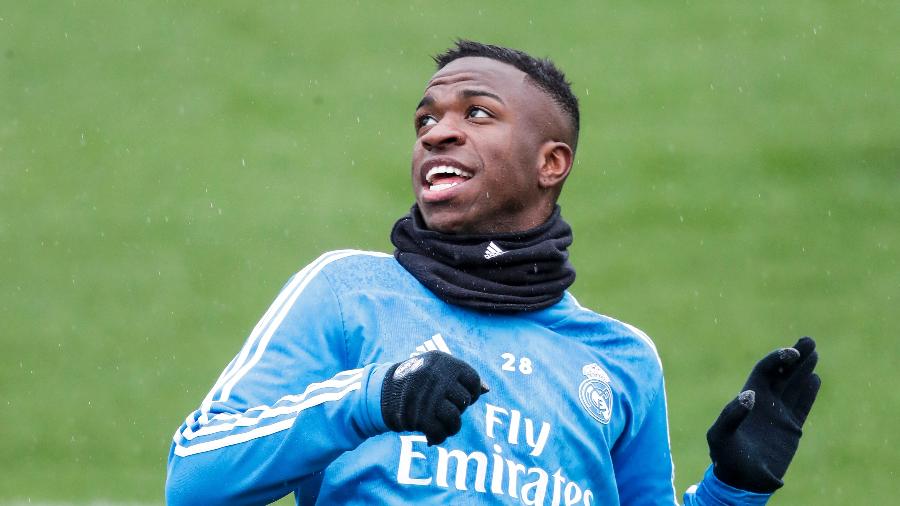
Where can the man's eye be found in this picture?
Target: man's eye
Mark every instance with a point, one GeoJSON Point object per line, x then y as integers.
{"type": "Point", "coordinates": [478, 112]}
{"type": "Point", "coordinates": [425, 121]}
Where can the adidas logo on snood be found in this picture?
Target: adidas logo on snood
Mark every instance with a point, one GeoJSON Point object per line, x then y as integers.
{"type": "Point", "coordinates": [492, 251]}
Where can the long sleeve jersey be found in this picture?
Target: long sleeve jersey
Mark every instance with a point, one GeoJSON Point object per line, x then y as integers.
{"type": "Point", "coordinates": [576, 413]}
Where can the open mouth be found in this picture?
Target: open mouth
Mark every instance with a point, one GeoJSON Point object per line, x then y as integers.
{"type": "Point", "coordinates": [444, 177]}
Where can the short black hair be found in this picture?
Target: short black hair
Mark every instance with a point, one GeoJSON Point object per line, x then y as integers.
{"type": "Point", "coordinates": [542, 71]}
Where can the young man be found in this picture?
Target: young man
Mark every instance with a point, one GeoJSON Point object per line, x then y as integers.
{"type": "Point", "coordinates": [349, 388]}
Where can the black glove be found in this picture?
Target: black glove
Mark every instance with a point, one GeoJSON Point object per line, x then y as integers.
{"type": "Point", "coordinates": [428, 393]}
{"type": "Point", "coordinates": [755, 438]}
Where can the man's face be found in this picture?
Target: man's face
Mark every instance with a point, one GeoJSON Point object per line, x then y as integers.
{"type": "Point", "coordinates": [475, 163]}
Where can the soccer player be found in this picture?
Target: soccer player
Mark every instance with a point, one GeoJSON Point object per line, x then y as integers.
{"type": "Point", "coordinates": [460, 369]}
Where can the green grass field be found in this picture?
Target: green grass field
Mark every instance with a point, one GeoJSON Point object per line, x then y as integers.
{"type": "Point", "coordinates": [165, 166]}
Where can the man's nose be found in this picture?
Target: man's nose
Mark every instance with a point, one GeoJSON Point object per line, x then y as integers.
{"type": "Point", "coordinates": [443, 135]}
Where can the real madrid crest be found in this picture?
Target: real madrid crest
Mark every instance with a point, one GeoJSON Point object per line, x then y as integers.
{"type": "Point", "coordinates": [595, 393]}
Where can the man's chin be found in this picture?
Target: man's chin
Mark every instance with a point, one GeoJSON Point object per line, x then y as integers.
{"type": "Point", "coordinates": [445, 219]}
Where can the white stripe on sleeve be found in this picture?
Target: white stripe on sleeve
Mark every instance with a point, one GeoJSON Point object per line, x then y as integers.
{"type": "Point", "coordinates": [268, 324]}
{"type": "Point", "coordinates": [251, 353]}
{"type": "Point", "coordinates": [316, 267]}
{"type": "Point", "coordinates": [238, 362]}
{"type": "Point", "coordinates": [288, 407]}
{"type": "Point", "coordinates": [285, 405]}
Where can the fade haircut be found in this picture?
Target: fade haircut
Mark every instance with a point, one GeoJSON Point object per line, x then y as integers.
{"type": "Point", "coordinates": [542, 72]}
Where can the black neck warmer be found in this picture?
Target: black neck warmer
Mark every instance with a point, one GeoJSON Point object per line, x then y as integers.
{"type": "Point", "coordinates": [497, 273]}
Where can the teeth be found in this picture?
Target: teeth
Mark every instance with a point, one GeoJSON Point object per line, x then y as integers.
{"type": "Point", "coordinates": [442, 186]}
{"type": "Point", "coordinates": [446, 169]}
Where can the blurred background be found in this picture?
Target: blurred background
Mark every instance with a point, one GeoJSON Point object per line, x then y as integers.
{"type": "Point", "coordinates": [166, 166]}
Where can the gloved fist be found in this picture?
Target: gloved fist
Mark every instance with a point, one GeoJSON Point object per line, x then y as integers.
{"type": "Point", "coordinates": [428, 393]}
{"type": "Point", "coordinates": [754, 439]}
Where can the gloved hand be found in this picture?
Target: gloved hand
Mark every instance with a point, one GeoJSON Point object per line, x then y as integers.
{"type": "Point", "coordinates": [754, 439]}
{"type": "Point", "coordinates": [428, 393]}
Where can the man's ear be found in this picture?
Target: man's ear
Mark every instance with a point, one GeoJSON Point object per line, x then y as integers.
{"type": "Point", "coordinates": [555, 161]}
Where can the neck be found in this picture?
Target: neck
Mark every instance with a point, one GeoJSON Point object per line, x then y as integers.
{"type": "Point", "coordinates": [521, 220]}
{"type": "Point", "coordinates": [499, 272]}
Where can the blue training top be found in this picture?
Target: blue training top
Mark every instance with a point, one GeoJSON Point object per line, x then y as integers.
{"type": "Point", "coordinates": [576, 414]}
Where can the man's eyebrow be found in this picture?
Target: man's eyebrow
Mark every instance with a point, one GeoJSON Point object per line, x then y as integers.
{"type": "Point", "coordinates": [481, 93]}
{"type": "Point", "coordinates": [426, 101]}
